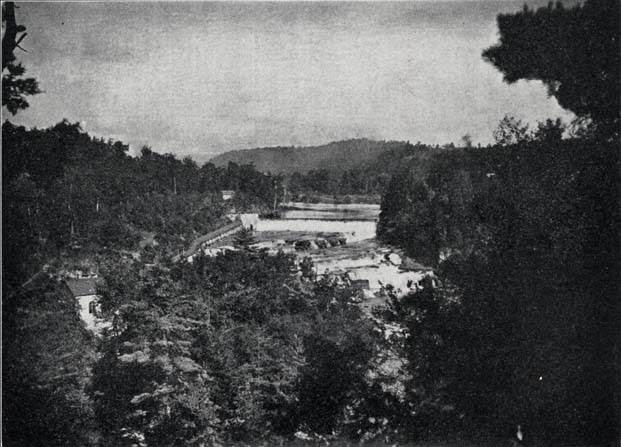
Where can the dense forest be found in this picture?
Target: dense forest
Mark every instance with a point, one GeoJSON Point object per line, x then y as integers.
{"type": "Point", "coordinates": [237, 345]}
{"type": "Point", "coordinates": [238, 348]}
{"type": "Point", "coordinates": [229, 349]}
{"type": "Point", "coordinates": [67, 192]}
{"type": "Point", "coordinates": [525, 241]}
{"type": "Point", "coordinates": [515, 329]}
{"type": "Point", "coordinates": [523, 322]}
{"type": "Point", "coordinates": [369, 178]}
{"type": "Point", "coordinates": [344, 170]}
{"type": "Point", "coordinates": [232, 349]}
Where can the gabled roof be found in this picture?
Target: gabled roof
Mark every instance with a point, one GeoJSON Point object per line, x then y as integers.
{"type": "Point", "coordinates": [82, 286]}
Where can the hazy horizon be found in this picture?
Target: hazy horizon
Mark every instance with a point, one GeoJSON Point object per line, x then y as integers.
{"type": "Point", "coordinates": [200, 79]}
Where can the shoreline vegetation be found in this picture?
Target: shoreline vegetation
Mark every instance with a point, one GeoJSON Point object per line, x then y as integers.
{"type": "Point", "coordinates": [453, 212]}
{"type": "Point", "coordinates": [459, 295]}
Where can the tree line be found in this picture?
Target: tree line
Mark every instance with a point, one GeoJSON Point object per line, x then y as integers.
{"type": "Point", "coordinates": [63, 190]}
{"type": "Point", "coordinates": [520, 328]}
{"type": "Point", "coordinates": [370, 178]}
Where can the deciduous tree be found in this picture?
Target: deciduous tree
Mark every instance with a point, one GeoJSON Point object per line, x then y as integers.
{"type": "Point", "coordinates": [573, 51]}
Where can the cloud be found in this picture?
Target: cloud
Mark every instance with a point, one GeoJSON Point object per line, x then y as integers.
{"type": "Point", "coordinates": [203, 78]}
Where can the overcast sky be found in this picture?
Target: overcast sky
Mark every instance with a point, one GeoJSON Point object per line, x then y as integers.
{"type": "Point", "coordinates": [204, 78]}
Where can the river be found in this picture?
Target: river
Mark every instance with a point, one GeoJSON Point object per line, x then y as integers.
{"type": "Point", "coordinates": [356, 221]}
{"type": "Point", "coordinates": [329, 211]}
{"type": "Point", "coordinates": [362, 258]}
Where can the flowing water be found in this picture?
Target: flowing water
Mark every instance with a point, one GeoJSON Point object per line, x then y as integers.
{"type": "Point", "coordinates": [328, 211]}
{"type": "Point", "coordinates": [362, 258]}
{"type": "Point", "coordinates": [356, 221]}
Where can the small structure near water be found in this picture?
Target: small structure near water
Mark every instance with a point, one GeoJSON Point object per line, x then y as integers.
{"type": "Point", "coordinates": [228, 194]}
{"type": "Point", "coordinates": [84, 290]}
{"type": "Point", "coordinates": [360, 284]}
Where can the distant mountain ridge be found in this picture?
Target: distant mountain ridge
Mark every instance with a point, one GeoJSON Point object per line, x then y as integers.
{"type": "Point", "coordinates": [335, 156]}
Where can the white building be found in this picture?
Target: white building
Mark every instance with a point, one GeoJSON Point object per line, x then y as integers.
{"type": "Point", "coordinates": [228, 194]}
{"type": "Point", "coordinates": [84, 290]}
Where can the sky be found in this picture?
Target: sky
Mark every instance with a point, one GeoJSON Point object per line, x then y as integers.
{"type": "Point", "coordinates": [203, 78]}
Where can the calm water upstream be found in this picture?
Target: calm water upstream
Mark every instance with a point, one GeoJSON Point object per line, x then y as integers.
{"type": "Point", "coordinates": [356, 221]}
{"type": "Point", "coordinates": [328, 211]}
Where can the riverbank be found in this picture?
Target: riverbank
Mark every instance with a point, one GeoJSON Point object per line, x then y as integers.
{"type": "Point", "coordinates": [368, 263]}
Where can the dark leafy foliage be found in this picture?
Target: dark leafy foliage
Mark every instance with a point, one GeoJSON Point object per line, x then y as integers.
{"type": "Point", "coordinates": [63, 189]}
{"type": "Point", "coordinates": [368, 178]}
{"type": "Point", "coordinates": [574, 51]}
{"type": "Point", "coordinates": [148, 388]}
{"type": "Point", "coordinates": [230, 348]}
{"type": "Point", "coordinates": [15, 87]}
{"type": "Point", "coordinates": [46, 353]}
{"type": "Point", "coordinates": [520, 329]}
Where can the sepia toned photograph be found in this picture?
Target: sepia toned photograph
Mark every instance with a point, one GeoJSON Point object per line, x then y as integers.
{"type": "Point", "coordinates": [311, 223]}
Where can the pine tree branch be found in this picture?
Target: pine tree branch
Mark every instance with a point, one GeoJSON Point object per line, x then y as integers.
{"type": "Point", "coordinates": [9, 41]}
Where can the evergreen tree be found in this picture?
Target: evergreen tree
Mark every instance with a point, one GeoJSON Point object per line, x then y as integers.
{"type": "Point", "coordinates": [148, 388]}
{"type": "Point", "coordinates": [14, 86]}
{"type": "Point", "coordinates": [47, 354]}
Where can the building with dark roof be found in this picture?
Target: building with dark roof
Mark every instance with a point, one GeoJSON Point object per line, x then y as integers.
{"type": "Point", "coordinates": [84, 290]}
{"type": "Point", "coordinates": [82, 286]}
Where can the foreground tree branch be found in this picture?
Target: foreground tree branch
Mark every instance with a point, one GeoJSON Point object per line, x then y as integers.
{"type": "Point", "coordinates": [573, 51]}
{"type": "Point", "coordinates": [15, 87]}
{"type": "Point", "coordinates": [10, 41]}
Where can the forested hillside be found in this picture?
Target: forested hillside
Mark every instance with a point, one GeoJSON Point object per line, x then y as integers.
{"type": "Point", "coordinates": [230, 349]}
{"type": "Point", "coordinates": [369, 178]}
{"type": "Point", "coordinates": [338, 156]}
{"type": "Point", "coordinates": [67, 192]}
